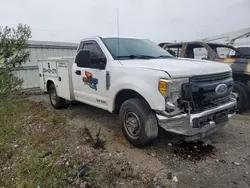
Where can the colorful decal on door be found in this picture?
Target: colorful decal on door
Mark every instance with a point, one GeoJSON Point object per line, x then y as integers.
{"type": "Point", "coordinates": [89, 80]}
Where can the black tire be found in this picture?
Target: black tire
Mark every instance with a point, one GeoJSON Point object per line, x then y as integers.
{"type": "Point", "coordinates": [148, 127]}
{"type": "Point", "coordinates": [247, 89]}
{"type": "Point", "coordinates": [57, 102]}
{"type": "Point", "coordinates": [242, 100]}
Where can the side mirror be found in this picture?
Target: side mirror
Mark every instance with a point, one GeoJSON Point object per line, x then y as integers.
{"type": "Point", "coordinates": [83, 58]}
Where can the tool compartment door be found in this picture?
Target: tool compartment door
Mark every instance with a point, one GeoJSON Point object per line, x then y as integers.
{"type": "Point", "coordinates": [49, 70]}
{"type": "Point", "coordinates": [41, 76]}
{"type": "Point", "coordinates": [64, 88]}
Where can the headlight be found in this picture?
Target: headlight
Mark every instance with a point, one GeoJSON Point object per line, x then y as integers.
{"type": "Point", "coordinates": [171, 91]}
{"type": "Point", "coordinates": [163, 84]}
{"type": "Point", "coordinates": [247, 71]}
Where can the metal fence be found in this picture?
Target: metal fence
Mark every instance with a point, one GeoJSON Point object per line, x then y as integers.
{"type": "Point", "coordinates": [42, 50]}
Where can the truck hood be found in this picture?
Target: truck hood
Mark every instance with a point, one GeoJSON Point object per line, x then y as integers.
{"type": "Point", "coordinates": [180, 67]}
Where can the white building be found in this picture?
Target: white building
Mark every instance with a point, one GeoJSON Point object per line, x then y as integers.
{"type": "Point", "coordinates": [42, 50]}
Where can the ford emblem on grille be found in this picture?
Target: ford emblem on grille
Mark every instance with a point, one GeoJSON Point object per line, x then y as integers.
{"type": "Point", "coordinates": [221, 89]}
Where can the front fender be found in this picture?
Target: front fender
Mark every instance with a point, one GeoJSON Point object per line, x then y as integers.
{"type": "Point", "coordinates": [147, 88]}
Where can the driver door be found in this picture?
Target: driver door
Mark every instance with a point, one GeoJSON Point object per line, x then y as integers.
{"type": "Point", "coordinates": [90, 83]}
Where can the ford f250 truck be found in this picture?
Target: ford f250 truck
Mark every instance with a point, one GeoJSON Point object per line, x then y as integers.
{"type": "Point", "coordinates": [146, 85]}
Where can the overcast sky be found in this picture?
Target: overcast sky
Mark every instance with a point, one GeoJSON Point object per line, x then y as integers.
{"type": "Point", "coordinates": [158, 20]}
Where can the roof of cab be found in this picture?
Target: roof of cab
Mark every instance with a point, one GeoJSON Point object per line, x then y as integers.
{"type": "Point", "coordinates": [190, 42]}
{"type": "Point", "coordinates": [104, 37]}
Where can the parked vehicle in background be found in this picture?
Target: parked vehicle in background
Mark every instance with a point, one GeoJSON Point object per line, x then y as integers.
{"type": "Point", "coordinates": [245, 51]}
{"type": "Point", "coordinates": [239, 62]}
{"type": "Point", "coordinates": [145, 85]}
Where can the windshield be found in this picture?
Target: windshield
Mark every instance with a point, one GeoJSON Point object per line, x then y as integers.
{"type": "Point", "coordinates": [130, 48]}
{"type": "Point", "coordinates": [226, 51]}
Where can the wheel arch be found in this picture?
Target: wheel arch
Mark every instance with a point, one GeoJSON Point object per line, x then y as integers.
{"type": "Point", "coordinates": [123, 95]}
{"type": "Point", "coordinates": [48, 83]}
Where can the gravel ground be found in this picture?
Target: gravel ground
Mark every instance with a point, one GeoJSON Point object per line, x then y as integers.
{"type": "Point", "coordinates": [223, 160]}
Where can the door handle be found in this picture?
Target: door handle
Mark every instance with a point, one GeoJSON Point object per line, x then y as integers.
{"type": "Point", "coordinates": [78, 72]}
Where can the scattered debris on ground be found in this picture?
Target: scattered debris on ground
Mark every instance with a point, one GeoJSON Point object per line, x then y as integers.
{"type": "Point", "coordinates": [96, 143]}
{"type": "Point", "coordinates": [235, 163]}
{"type": "Point", "coordinates": [85, 171]}
{"type": "Point", "coordinates": [195, 150]}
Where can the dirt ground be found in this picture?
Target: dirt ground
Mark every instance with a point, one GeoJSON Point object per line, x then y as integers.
{"type": "Point", "coordinates": [223, 160]}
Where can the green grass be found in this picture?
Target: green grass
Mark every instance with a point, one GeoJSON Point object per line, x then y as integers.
{"type": "Point", "coordinates": [27, 131]}
{"type": "Point", "coordinates": [35, 170]}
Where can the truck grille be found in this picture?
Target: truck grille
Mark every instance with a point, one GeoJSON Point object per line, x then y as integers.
{"type": "Point", "coordinates": [200, 91]}
{"type": "Point", "coordinates": [211, 77]}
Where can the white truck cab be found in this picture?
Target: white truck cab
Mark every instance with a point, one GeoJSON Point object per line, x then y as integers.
{"type": "Point", "coordinates": [146, 85]}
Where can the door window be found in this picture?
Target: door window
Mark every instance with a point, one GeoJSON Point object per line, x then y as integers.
{"type": "Point", "coordinates": [174, 50]}
{"type": "Point", "coordinates": [200, 53]}
{"type": "Point", "coordinates": [97, 56]}
{"type": "Point", "coordinates": [225, 52]}
{"type": "Point", "coordinates": [93, 47]}
{"type": "Point", "coordinates": [196, 51]}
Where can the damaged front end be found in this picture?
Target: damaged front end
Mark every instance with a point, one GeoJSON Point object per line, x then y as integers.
{"type": "Point", "coordinates": [198, 106]}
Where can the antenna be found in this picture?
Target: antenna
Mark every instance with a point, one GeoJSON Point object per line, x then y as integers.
{"type": "Point", "coordinates": [118, 32]}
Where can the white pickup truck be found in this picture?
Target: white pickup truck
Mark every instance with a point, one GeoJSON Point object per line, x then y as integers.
{"type": "Point", "coordinates": [146, 85]}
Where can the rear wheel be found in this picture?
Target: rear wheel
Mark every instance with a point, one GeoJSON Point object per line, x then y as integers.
{"type": "Point", "coordinates": [56, 101]}
{"type": "Point", "coordinates": [241, 96]}
{"type": "Point", "coordinates": [139, 124]}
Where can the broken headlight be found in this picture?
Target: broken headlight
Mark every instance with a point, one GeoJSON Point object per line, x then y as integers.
{"type": "Point", "coordinates": [171, 91]}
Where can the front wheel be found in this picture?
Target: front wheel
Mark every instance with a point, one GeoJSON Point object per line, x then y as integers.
{"type": "Point", "coordinates": [241, 96]}
{"type": "Point", "coordinates": [139, 124]}
{"type": "Point", "coordinates": [56, 101]}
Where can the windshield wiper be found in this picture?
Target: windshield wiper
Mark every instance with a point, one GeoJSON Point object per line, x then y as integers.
{"type": "Point", "coordinates": [144, 56]}
{"type": "Point", "coordinates": [163, 56]}
{"type": "Point", "coordinates": [137, 57]}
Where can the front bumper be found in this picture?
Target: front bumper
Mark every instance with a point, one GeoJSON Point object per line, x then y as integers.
{"type": "Point", "coordinates": [183, 124]}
